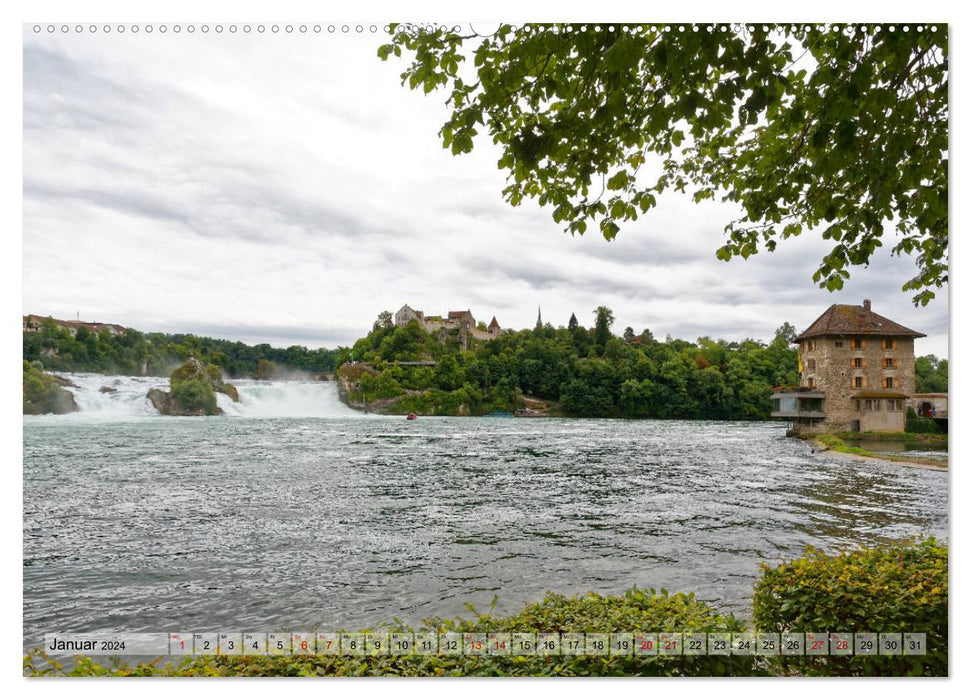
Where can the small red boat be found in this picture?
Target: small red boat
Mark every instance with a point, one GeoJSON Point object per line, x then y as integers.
{"type": "Point", "coordinates": [412, 416]}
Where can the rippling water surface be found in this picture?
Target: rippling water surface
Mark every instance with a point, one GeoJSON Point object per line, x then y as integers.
{"type": "Point", "coordinates": [147, 523]}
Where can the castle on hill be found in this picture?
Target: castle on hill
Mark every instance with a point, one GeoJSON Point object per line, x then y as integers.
{"type": "Point", "coordinates": [460, 322]}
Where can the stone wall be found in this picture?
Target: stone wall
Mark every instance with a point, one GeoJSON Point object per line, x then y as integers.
{"type": "Point", "coordinates": [480, 334]}
{"type": "Point", "coordinates": [406, 314]}
{"type": "Point", "coordinates": [834, 365]}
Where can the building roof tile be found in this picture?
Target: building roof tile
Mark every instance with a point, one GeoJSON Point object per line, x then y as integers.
{"type": "Point", "coordinates": [848, 319]}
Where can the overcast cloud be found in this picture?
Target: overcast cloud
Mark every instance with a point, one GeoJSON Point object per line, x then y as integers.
{"type": "Point", "coordinates": [286, 189]}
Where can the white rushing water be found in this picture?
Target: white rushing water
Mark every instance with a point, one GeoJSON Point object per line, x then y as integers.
{"type": "Point", "coordinates": [101, 396]}
{"type": "Point", "coordinates": [285, 399]}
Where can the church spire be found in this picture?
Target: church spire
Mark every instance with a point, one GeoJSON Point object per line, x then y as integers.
{"type": "Point", "coordinates": [539, 317]}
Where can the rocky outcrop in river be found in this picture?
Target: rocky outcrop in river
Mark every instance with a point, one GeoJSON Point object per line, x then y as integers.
{"type": "Point", "coordinates": [46, 393]}
{"type": "Point", "coordinates": [192, 391]}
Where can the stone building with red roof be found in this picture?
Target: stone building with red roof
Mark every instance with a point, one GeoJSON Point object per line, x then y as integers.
{"type": "Point", "coordinates": [857, 373]}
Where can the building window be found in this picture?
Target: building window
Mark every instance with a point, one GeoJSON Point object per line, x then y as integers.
{"type": "Point", "coordinates": [811, 364]}
{"type": "Point", "coordinates": [857, 382]}
{"type": "Point", "coordinates": [889, 344]}
{"type": "Point", "coordinates": [871, 404]}
{"type": "Point", "coordinates": [888, 382]}
{"type": "Point", "coordinates": [858, 344]}
{"type": "Point", "coordinates": [811, 382]}
{"type": "Point", "coordinates": [810, 345]}
{"type": "Point", "coordinates": [858, 362]}
{"type": "Point", "coordinates": [838, 343]}
{"type": "Point", "coordinates": [889, 363]}
{"type": "Point", "coordinates": [895, 404]}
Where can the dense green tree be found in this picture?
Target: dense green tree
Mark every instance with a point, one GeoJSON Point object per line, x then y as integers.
{"type": "Point", "coordinates": [614, 350]}
{"type": "Point", "coordinates": [841, 128]}
{"type": "Point", "coordinates": [448, 374]}
{"type": "Point", "coordinates": [786, 332]}
{"type": "Point", "coordinates": [380, 386]}
{"type": "Point", "coordinates": [605, 319]}
{"type": "Point", "coordinates": [573, 324]}
{"type": "Point", "coordinates": [931, 375]}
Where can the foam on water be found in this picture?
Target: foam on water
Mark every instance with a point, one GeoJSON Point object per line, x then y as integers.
{"type": "Point", "coordinates": [125, 397]}
{"type": "Point", "coordinates": [285, 399]}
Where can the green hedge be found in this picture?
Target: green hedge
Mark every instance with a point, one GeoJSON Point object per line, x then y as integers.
{"type": "Point", "coordinates": [892, 588]}
{"type": "Point", "coordinates": [637, 609]}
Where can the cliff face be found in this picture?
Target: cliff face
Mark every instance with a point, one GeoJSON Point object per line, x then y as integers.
{"type": "Point", "coordinates": [166, 404]}
{"type": "Point", "coordinates": [348, 384]}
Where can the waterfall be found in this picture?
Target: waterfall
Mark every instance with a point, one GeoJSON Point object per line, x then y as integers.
{"type": "Point", "coordinates": [290, 399]}
{"type": "Point", "coordinates": [110, 397]}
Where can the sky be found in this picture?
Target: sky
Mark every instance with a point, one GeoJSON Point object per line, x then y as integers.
{"type": "Point", "coordinates": [286, 188]}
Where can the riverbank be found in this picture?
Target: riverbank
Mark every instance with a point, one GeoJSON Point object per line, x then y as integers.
{"type": "Point", "coordinates": [836, 443]}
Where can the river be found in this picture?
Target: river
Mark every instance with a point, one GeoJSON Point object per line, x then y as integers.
{"type": "Point", "coordinates": [292, 511]}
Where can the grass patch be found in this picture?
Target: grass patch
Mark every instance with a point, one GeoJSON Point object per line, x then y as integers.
{"type": "Point", "coordinates": [835, 442]}
{"type": "Point", "coordinates": [923, 438]}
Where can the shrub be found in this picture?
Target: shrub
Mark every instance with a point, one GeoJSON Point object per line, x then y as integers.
{"type": "Point", "coordinates": [636, 610]}
{"type": "Point", "coordinates": [892, 588]}
{"type": "Point", "coordinates": [916, 424]}
{"type": "Point", "coordinates": [195, 395]}
{"type": "Point", "coordinates": [380, 386]}
{"type": "Point", "coordinates": [422, 404]}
